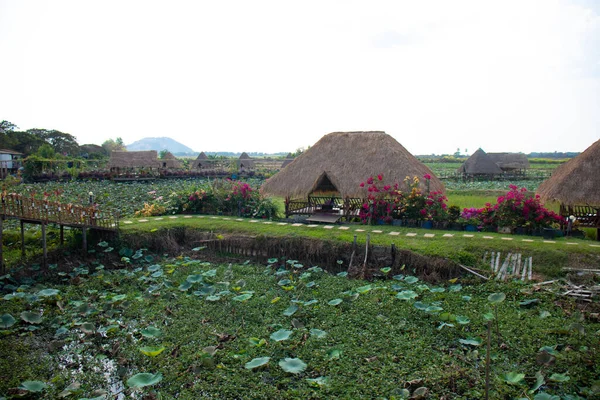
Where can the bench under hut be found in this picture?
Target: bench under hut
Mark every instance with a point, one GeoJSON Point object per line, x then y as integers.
{"type": "Point", "coordinates": [576, 186]}
{"type": "Point", "coordinates": [324, 181]}
{"type": "Point", "coordinates": [480, 164]}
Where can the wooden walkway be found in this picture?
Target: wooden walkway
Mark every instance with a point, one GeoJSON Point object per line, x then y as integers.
{"type": "Point", "coordinates": [43, 212]}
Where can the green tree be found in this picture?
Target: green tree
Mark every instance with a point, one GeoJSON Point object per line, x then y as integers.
{"type": "Point", "coordinates": [6, 134]}
{"type": "Point", "coordinates": [62, 143]}
{"type": "Point", "coordinates": [46, 151]}
{"type": "Point", "coordinates": [163, 153]}
{"type": "Point", "coordinates": [114, 145]}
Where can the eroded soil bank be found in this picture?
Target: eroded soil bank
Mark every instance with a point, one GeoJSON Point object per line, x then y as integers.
{"type": "Point", "coordinates": [332, 256]}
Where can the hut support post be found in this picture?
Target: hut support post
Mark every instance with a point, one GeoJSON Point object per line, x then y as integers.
{"type": "Point", "coordinates": [45, 262]}
{"type": "Point", "coordinates": [84, 238]}
{"type": "Point", "coordinates": [22, 239]}
{"type": "Point", "coordinates": [1, 253]}
{"type": "Point", "coordinates": [62, 235]}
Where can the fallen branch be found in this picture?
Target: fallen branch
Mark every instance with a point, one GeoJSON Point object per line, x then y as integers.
{"type": "Point", "coordinates": [473, 272]}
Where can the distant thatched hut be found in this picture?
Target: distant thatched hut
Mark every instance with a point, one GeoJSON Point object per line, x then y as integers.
{"type": "Point", "coordinates": [338, 163]}
{"type": "Point", "coordinates": [576, 185]}
{"type": "Point", "coordinates": [288, 159]}
{"type": "Point", "coordinates": [479, 164]}
{"type": "Point", "coordinates": [131, 160]}
{"type": "Point", "coordinates": [515, 163]}
{"type": "Point", "coordinates": [169, 161]}
{"type": "Point", "coordinates": [200, 161]}
{"type": "Point", "coordinates": [245, 162]}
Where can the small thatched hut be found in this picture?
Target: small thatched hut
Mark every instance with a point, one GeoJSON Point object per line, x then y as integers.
{"type": "Point", "coordinates": [169, 161]}
{"type": "Point", "coordinates": [147, 159]}
{"type": "Point", "coordinates": [200, 161]}
{"type": "Point", "coordinates": [288, 159]}
{"type": "Point", "coordinates": [479, 164]}
{"type": "Point", "coordinates": [576, 185]}
{"type": "Point", "coordinates": [339, 162]}
{"type": "Point", "coordinates": [245, 162]}
{"type": "Point", "coordinates": [511, 162]}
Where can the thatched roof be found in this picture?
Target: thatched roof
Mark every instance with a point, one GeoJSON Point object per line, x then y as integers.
{"type": "Point", "coordinates": [479, 163]}
{"type": "Point", "coordinates": [133, 159]}
{"type": "Point", "coordinates": [245, 161]}
{"type": "Point", "coordinates": [346, 159]}
{"type": "Point", "coordinates": [288, 159]}
{"type": "Point", "coordinates": [576, 182]}
{"type": "Point", "coordinates": [510, 161]}
{"type": "Point", "coordinates": [198, 162]}
{"type": "Point", "coordinates": [170, 161]}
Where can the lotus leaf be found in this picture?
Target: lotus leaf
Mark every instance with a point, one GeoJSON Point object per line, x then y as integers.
{"type": "Point", "coordinates": [257, 362]}
{"type": "Point", "coordinates": [144, 379]}
{"type": "Point", "coordinates": [364, 289]}
{"type": "Point", "coordinates": [462, 320]}
{"type": "Point", "coordinates": [292, 365]}
{"type": "Point", "coordinates": [47, 292]}
{"type": "Point", "coordinates": [496, 298]}
{"type": "Point", "coordinates": [152, 351]}
{"type": "Point", "coordinates": [242, 297]}
{"type": "Point", "coordinates": [407, 295]}
{"type": "Point", "coordinates": [411, 279]}
{"type": "Point", "coordinates": [559, 377]}
{"type": "Point", "coordinates": [6, 321]}
{"type": "Point", "coordinates": [320, 381]}
{"type": "Point", "coordinates": [281, 335]}
{"type": "Point", "coordinates": [194, 278]}
{"type": "Point", "coordinates": [210, 273]}
{"type": "Point", "coordinates": [471, 341]}
{"type": "Point", "coordinates": [334, 354]}
{"type": "Point", "coordinates": [291, 310]}
{"type": "Point", "coordinates": [151, 332]}
{"type": "Point", "coordinates": [185, 286]}
{"type": "Point", "coordinates": [386, 270]}
{"type": "Point", "coordinates": [545, 396]}
{"type": "Point", "coordinates": [31, 317]}
{"type": "Point", "coordinates": [317, 333]}
{"type": "Point", "coordinates": [514, 378]}
{"type": "Point", "coordinates": [33, 386]}
{"type": "Point", "coordinates": [334, 302]}
{"type": "Point", "coordinates": [342, 274]}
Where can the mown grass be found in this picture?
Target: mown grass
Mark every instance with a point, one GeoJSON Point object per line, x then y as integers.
{"type": "Point", "coordinates": [548, 258]}
{"type": "Point", "coordinates": [374, 345]}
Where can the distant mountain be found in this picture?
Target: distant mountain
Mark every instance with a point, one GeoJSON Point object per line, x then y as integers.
{"type": "Point", "coordinates": [159, 144]}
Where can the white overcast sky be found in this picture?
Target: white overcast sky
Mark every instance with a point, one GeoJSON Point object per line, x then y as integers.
{"type": "Point", "coordinates": [509, 75]}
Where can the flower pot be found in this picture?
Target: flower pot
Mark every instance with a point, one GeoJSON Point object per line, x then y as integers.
{"type": "Point", "coordinates": [427, 224]}
{"type": "Point", "coordinates": [471, 228]}
{"type": "Point", "coordinates": [397, 222]}
{"type": "Point", "coordinates": [505, 229]}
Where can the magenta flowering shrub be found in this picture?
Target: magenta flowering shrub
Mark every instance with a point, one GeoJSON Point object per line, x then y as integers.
{"type": "Point", "coordinates": [515, 209]}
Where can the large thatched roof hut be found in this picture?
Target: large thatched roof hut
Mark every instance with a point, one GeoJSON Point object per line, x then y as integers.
{"type": "Point", "coordinates": [340, 161]}
{"type": "Point", "coordinates": [170, 161]}
{"type": "Point", "coordinates": [288, 159]}
{"type": "Point", "coordinates": [479, 164]}
{"type": "Point", "coordinates": [510, 162]}
{"type": "Point", "coordinates": [577, 181]}
{"type": "Point", "coordinates": [133, 159]}
{"type": "Point", "coordinates": [200, 161]}
{"type": "Point", "coordinates": [245, 162]}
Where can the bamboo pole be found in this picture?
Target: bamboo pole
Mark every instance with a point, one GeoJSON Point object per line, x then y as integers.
{"type": "Point", "coordinates": [497, 262]}
{"type": "Point", "coordinates": [44, 244]}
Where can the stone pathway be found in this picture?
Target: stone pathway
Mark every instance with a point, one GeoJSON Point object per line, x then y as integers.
{"type": "Point", "coordinates": [360, 230]}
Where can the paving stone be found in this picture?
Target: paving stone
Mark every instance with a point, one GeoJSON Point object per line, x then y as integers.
{"type": "Point", "coordinates": [239, 219]}
{"type": "Point", "coordinates": [187, 216]}
{"type": "Point", "coordinates": [447, 235]}
{"type": "Point", "coordinates": [594, 245]}
{"type": "Point", "coordinates": [173, 217]}
{"type": "Point", "coordinates": [226, 219]}
{"type": "Point", "coordinates": [253, 221]}
{"type": "Point", "coordinates": [343, 228]}
{"type": "Point", "coordinates": [142, 220]}
{"type": "Point", "coordinates": [297, 224]}
{"type": "Point", "coordinates": [394, 233]}
{"type": "Point", "coordinates": [571, 243]}
{"type": "Point", "coordinates": [469, 236]}
{"type": "Point", "coordinates": [267, 222]}
{"type": "Point", "coordinates": [549, 241]}
{"type": "Point", "coordinates": [128, 222]}
{"type": "Point", "coordinates": [328, 227]}
{"type": "Point", "coordinates": [527, 240]}
{"type": "Point", "coordinates": [214, 217]}
{"type": "Point", "coordinates": [200, 216]}
{"type": "Point", "coordinates": [505, 238]}
{"type": "Point", "coordinates": [312, 225]}
{"type": "Point", "coordinates": [429, 235]}
{"type": "Point", "coordinates": [488, 237]}
{"type": "Point", "coordinates": [411, 234]}
{"type": "Point", "coordinates": [158, 219]}
{"type": "Point", "coordinates": [359, 230]}
{"type": "Point", "coordinates": [376, 231]}
{"type": "Point", "coordinates": [282, 223]}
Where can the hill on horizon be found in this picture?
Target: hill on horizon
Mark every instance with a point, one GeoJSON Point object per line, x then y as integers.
{"type": "Point", "coordinates": [159, 144]}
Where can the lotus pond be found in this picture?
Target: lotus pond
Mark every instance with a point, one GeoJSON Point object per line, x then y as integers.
{"type": "Point", "coordinates": [137, 325]}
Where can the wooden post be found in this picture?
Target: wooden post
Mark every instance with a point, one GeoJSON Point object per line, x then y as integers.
{"type": "Point", "coordinates": [62, 235]}
{"type": "Point", "coordinates": [1, 253]}
{"type": "Point", "coordinates": [393, 254]}
{"type": "Point", "coordinates": [22, 239]}
{"type": "Point", "coordinates": [44, 245]}
{"type": "Point", "coordinates": [84, 237]}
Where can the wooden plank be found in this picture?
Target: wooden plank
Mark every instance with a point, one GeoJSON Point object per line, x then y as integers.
{"type": "Point", "coordinates": [324, 217]}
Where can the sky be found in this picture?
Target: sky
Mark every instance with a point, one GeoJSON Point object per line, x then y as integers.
{"type": "Point", "coordinates": [275, 76]}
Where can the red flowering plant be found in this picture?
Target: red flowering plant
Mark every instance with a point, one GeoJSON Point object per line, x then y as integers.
{"type": "Point", "coordinates": [382, 202]}
{"type": "Point", "coordinates": [414, 201]}
{"type": "Point", "coordinates": [435, 207]}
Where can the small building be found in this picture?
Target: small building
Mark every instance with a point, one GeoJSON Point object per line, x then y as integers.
{"type": "Point", "coordinates": [576, 186]}
{"type": "Point", "coordinates": [288, 159]}
{"type": "Point", "coordinates": [480, 164]}
{"type": "Point", "coordinates": [121, 161]}
{"type": "Point", "coordinates": [245, 162]}
{"type": "Point", "coordinates": [513, 163]}
{"type": "Point", "coordinates": [169, 161]}
{"type": "Point", "coordinates": [10, 162]}
{"type": "Point", "coordinates": [201, 162]}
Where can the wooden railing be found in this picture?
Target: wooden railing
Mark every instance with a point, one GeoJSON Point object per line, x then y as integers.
{"type": "Point", "coordinates": [45, 211]}
{"type": "Point", "coordinates": [587, 216]}
{"type": "Point", "coordinates": [348, 207]}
